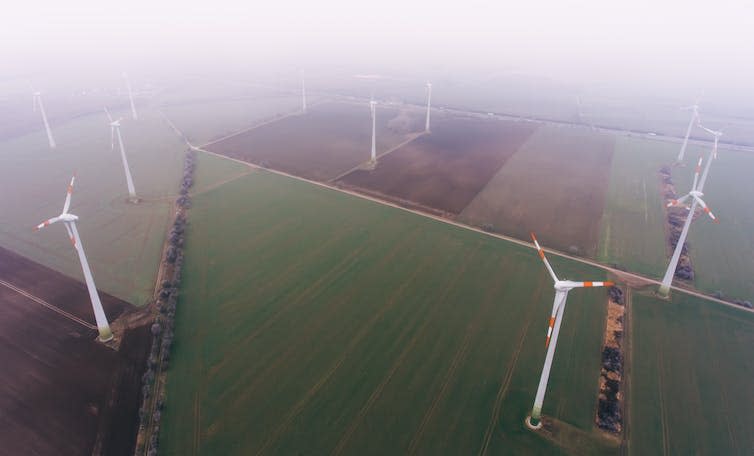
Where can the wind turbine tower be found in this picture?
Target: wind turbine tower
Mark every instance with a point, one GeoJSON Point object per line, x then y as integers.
{"type": "Point", "coordinates": [694, 117]}
{"type": "Point", "coordinates": [373, 108]}
{"type": "Point", "coordinates": [303, 93]}
{"type": "Point", "coordinates": [429, 99]}
{"type": "Point", "coordinates": [562, 287]}
{"type": "Point", "coordinates": [115, 130]}
{"type": "Point", "coordinates": [69, 220]}
{"type": "Point", "coordinates": [696, 196]}
{"type": "Point", "coordinates": [130, 97]}
{"type": "Point", "coordinates": [37, 101]}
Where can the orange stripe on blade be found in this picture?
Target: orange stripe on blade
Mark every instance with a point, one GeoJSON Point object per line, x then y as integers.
{"type": "Point", "coordinates": [542, 254]}
{"type": "Point", "coordinates": [588, 284]}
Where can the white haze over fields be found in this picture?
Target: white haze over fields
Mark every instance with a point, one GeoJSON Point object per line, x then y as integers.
{"type": "Point", "coordinates": [691, 45]}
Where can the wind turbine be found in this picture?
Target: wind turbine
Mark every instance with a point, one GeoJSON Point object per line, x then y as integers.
{"type": "Point", "coordinates": [130, 97]}
{"type": "Point", "coordinates": [694, 117]}
{"type": "Point", "coordinates": [373, 109]}
{"type": "Point", "coordinates": [429, 98]}
{"type": "Point", "coordinates": [303, 93]}
{"type": "Point", "coordinates": [37, 101]}
{"type": "Point", "coordinates": [69, 220]}
{"type": "Point", "coordinates": [115, 129]}
{"type": "Point", "coordinates": [696, 195]}
{"type": "Point", "coordinates": [714, 133]}
{"type": "Point", "coordinates": [562, 287]}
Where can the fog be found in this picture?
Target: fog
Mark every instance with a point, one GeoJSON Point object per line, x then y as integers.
{"type": "Point", "coordinates": [645, 46]}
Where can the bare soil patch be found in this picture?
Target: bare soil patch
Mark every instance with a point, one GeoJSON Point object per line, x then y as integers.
{"type": "Point", "coordinates": [61, 391]}
{"type": "Point", "coordinates": [329, 139]}
{"type": "Point", "coordinates": [556, 185]}
{"type": "Point", "coordinates": [445, 169]}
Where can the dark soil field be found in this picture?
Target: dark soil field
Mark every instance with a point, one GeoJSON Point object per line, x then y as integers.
{"type": "Point", "coordinates": [447, 168]}
{"type": "Point", "coordinates": [328, 140]}
{"type": "Point", "coordinates": [556, 185]}
{"type": "Point", "coordinates": [61, 391]}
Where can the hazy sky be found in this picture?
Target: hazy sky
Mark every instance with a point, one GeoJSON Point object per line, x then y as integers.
{"type": "Point", "coordinates": [707, 42]}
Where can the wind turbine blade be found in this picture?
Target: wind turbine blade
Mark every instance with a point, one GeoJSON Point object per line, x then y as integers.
{"type": "Point", "coordinates": [67, 203]}
{"type": "Point", "coordinates": [46, 223]}
{"type": "Point", "coordinates": [70, 234]}
{"type": "Point", "coordinates": [595, 284]}
{"type": "Point", "coordinates": [706, 209]}
{"type": "Point", "coordinates": [130, 97]}
{"type": "Point", "coordinates": [560, 298]}
{"type": "Point", "coordinates": [679, 201]}
{"type": "Point", "coordinates": [109, 117]}
{"type": "Point", "coordinates": [696, 173]}
{"type": "Point", "coordinates": [544, 258]}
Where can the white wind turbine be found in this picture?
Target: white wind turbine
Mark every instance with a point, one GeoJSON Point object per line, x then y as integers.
{"type": "Point", "coordinates": [696, 195]}
{"type": "Point", "coordinates": [69, 220]}
{"type": "Point", "coordinates": [115, 130]}
{"type": "Point", "coordinates": [429, 99]}
{"type": "Point", "coordinates": [37, 101]}
{"type": "Point", "coordinates": [373, 109]}
{"type": "Point", "coordinates": [303, 93]}
{"type": "Point", "coordinates": [562, 287]}
{"type": "Point", "coordinates": [694, 117]}
{"type": "Point", "coordinates": [130, 97]}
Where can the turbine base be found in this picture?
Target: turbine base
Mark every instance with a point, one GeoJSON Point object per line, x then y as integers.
{"type": "Point", "coordinates": [532, 426]}
{"type": "Point", "coordinates": [133, 200]}
{"type": "Point", "coordinates": [105, 335]}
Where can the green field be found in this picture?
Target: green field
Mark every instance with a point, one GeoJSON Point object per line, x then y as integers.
{"type": "Point", "coordinates": [316, 322]}
{"type": "Point", "coordinates": [723, 254]}
{"type": "Point", "coordinates": [691, 378]}
{"type": "Point", "coordinates": [123, 241]}
{"type": "Point", "coordinates": [632, 231]}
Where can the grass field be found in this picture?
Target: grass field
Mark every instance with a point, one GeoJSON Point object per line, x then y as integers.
{"type": "Point", "coordinates": [691, 378]}
{"type": "Point", "coordinates": [723, 254]}
{"type": "Point", "coordinates": [555, 185]}
{"type": "Point", "coordinates": [123, 242]}
{"type": "Point", "coordinates": [632, 230]}
{"type": "Point", "coordinates": [315, 322]}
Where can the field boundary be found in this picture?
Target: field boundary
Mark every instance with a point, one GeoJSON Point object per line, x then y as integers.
{"type": "Point", "coordinates": [411, 138]}
{"type": "Point", "coordinates": [46, 304]}
{"type": "Point", "coordinates": [503, 237]}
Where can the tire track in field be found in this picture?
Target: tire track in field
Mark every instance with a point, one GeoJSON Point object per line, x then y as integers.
{"type": "Point", "coordinates": [507, 379]}
{"type": "Point", "coordinates": [460, 356]}
{"type": "Point", "coordinates": [723, 394]}
{"type": "Point", "coordinates": [335, 271]}
{"type": "Point", "coordinates": [311, 330]}
{"type": "Point", "coordinates": [354, 342]}
{"type": "Point", "coordinates": [663, 418]}
{"type": "Point", "coordinates": [377, 392]}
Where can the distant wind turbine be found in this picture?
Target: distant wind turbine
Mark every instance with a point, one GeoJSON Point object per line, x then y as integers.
{"type": "Point", "coordinates": [115, 130]}
{"type": "Point", "coordinates": [130, 97]}
{"type": "Point", "coordinates": [37, 101]}
{"type": "Point", "coordinates": [69, 221]}
{"type": "Point", "coordinates": [303, 93]}
{"type": "Point", "coordinates": [562, 287]}
{"type": "Point", "coordinates": [696, 196]}
{"type": "Point", "coordinates": [373, 109]}
{"type": "Point", "coordinates": [429, 99]}
{"type": "Point", "coordinates": [694, 117]}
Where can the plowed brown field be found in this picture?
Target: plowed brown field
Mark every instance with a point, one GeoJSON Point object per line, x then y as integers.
{"type": "Point", "coordinates": [328, 140]}
{"type": "Point", "coordinates": [61, 391]}
{"type": "Point", "coordinates": [444, 170]}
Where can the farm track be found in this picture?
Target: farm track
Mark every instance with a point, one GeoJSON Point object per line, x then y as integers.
{"type": "Point", "coordinates": [593, 263]}
{"type": "Point", "coordinates": [46, 304]}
